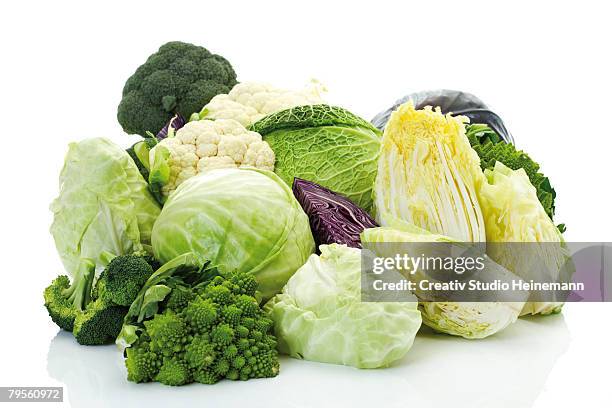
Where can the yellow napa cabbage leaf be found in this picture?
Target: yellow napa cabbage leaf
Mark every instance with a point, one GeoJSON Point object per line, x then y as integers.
{"type": "Point", "coordinates": [513, 214]}
{"type": "Point", "coordinates": [427, 174]}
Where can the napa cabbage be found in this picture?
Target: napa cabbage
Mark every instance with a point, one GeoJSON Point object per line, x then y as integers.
{"type": "Point", "coordinates": [471, 320]}
{"type": "Point", "coordinates": [514, 214]}
{"type": "Point", "coordinates": [427, 174]}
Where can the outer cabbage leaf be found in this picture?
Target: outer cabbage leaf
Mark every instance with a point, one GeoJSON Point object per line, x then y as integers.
{"type": "Point", "coordinates": [104, 205]}
{"type": "Point", "coordinates": [319, 315]}
{"type": "Point", "coordinates": [513, 213]}
{"type": "Point", "coordinates": [427, 173]}
{"type": "Point", "coordinates": [471, 320]}
{"type": "Point", "coordinates": [236, 219]}
{"type": "Point", "coordinates": [326, 145]}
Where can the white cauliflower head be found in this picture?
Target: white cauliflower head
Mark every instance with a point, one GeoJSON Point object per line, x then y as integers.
{"type": "Point", "coordinates": [205, 145]}
{"type": "Point", "coordinates": [248, 102]}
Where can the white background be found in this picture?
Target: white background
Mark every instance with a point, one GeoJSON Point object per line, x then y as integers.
{"type": "Point", "coordinates": [544, 66]}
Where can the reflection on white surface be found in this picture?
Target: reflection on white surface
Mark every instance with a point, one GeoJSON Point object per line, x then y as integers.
{"type": "Point", "coordinates": [506, 370]}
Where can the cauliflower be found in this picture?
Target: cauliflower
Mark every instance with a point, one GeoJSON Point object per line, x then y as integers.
{"type": "Point", "coordinates": [248, 102]}
{"type": "Point", "coordinates": [205, 145]}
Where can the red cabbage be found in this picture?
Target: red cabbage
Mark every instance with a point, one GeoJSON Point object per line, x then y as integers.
{"type": "Point", "coordinates": [176, 122]}
{"type": "Point", "coordinates": [333, 217]}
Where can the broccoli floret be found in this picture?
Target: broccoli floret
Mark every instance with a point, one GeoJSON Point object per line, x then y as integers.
{"type": "Point", "coordinates": [64, 301]}
{"type": "Point", "coordinates": [487, 144]}
{"type": "Point", "coordinates": [123, 278]}
{"type": "Point", "coordinates": [99, 323]}
{"type": "Point", "coordinates": [178, 78]}
{"type": "Point", "coordinates": [95, 315]}
{"type": "Point", "coordinates": [220, 333]}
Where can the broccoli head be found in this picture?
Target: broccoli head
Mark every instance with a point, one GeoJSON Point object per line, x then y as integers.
{"type": "Point", "coordinates": [123, 278]}
{"type": "Point", "coordinates": [204, 334]}
{"type": "Point", "coordinates": [65, 300]}
{"type": "Point", "coordinates": [95, 314]}
{"type": "Point", "coordinates": [99, 323]}
{"type": "Point", "coordinates": [179, 78]}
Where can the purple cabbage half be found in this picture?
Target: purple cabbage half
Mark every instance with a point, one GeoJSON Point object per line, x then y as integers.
{"type": "Point", "coordinates": [333, 217]}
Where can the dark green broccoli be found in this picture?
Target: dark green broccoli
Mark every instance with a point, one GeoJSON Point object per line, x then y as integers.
{"type": "Point", "coordinates": [95, 314]}
{"type": "Point", "coordinates": [178, 78]}
{"type": "Point", "coordinates": [204, 334]}
{"type": "Point", "coordinates": [122, 279]}
{"type": "Point", "coordinates": [119, 284]}
{"type": "Point", "coordinates": [99, 323]}
{"type": "Point", "coordinates": [64, 301]}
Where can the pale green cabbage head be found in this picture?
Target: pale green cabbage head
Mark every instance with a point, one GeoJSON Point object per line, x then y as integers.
{"type": "Point", "coordinates": [471, 320]}
{"type": "Point", "coordinates": [319, 315]}
{"type": "Point", "coordinates": [427, 174]}
{"type": "Point", "coordinates": [236, 219]}
{"type": "Point", "coordinates": [104, 205]}
{"type": "Point", "coordinates": [513, 213]}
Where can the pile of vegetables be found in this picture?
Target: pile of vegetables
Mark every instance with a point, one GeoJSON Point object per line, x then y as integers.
{"type": "Point", "coordinates": [232, 231]}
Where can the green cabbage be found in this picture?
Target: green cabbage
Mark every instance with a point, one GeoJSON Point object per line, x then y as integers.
{"type": "Point", "coordinates": [471, 320]}
{"type": "Point", "coordinates": [427, 174]}
{"type": "Point", "coordinates": [236, 219]}
{"type": "Point", "coordinates": [104, 205]}
{"type": "Point", "coordinates": [513, 213]}
{"type": "Point", "coordinates": [326, 145]}
{"type": "Point", "coordinates": [319, 315]}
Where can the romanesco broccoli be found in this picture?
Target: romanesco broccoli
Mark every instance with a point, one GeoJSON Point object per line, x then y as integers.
{"type": "Point", "coordinates": [205, 333]}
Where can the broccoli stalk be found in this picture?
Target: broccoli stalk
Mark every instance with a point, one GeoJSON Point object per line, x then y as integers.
{"type": "Point", "coordinates": [122, 279]}
{"type": "Point", "coordinates": [65, 300]}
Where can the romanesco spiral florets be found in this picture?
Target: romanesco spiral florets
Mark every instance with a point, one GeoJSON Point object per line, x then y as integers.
{"type": "Point", "coordinates": [220, 332]}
